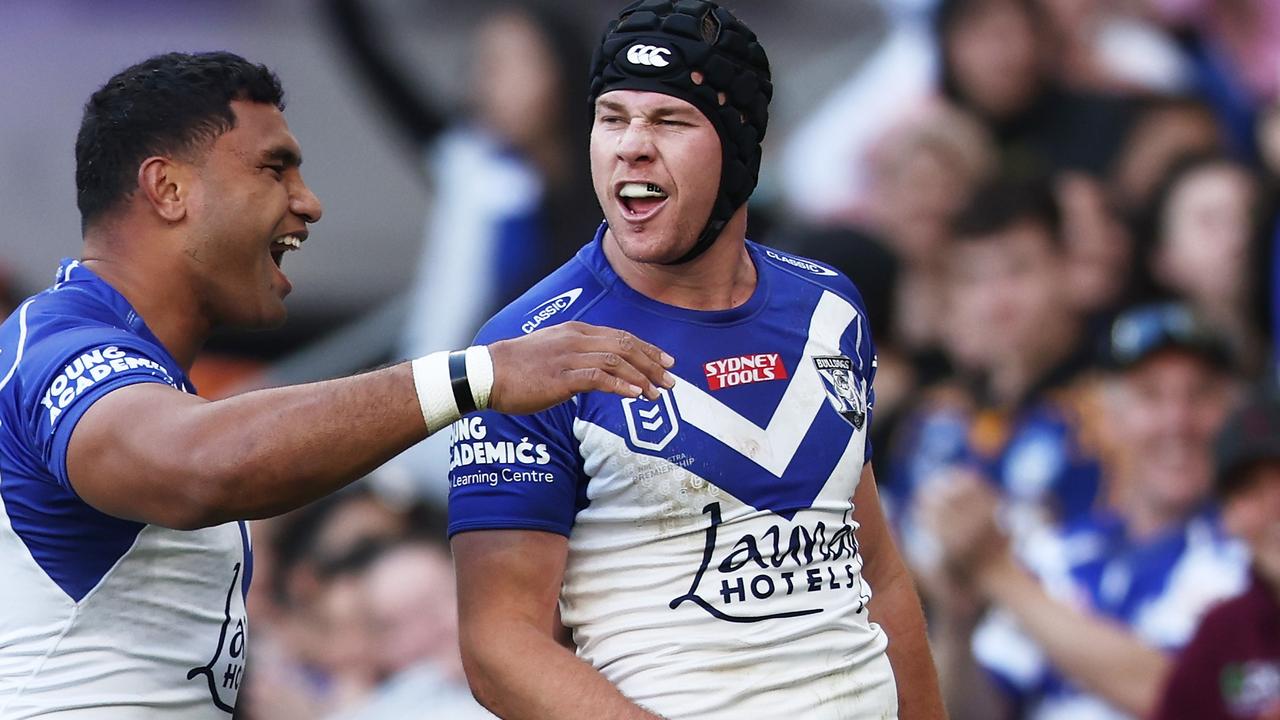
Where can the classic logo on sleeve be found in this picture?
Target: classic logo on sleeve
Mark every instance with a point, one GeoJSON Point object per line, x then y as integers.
{"type": "Point", "coordinates": [846, 392]}
{"type": "Point", "coordinates": [744, 370]}
{"type": "Point", "coordinates": [806, 265]}
{"type": "Point", "coordinates": [549, 309]}
{"type": "Point", "coordinates": [90, 369]}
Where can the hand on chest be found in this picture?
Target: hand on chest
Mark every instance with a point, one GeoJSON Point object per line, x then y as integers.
{"type": "Point", "coordinates": [766, 419]}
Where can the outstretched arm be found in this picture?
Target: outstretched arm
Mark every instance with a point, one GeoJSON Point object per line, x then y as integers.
{"type": "Point", "coordinates": [150, 453]}
{"type": "Point", "coordinates": [508, 591]}
{"type": "Point", "coordinates": [896, 607]}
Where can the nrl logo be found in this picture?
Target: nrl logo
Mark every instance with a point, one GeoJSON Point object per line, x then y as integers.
{"type": "Point", "coordinates": [651, 424]}
{"type": "Point", "coordinates": [846, 393]}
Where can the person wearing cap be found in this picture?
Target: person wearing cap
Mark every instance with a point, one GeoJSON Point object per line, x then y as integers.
{"type": "Point", "coordinates": [718, 552]}
{"type": "Point", "coordinates": [1231, 668]}
{"type": "Point", "coordinates": [1083, 622]}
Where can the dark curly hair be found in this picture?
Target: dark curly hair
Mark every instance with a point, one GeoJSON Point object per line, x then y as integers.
{"type": "Point", "coordinates": [173, 104]}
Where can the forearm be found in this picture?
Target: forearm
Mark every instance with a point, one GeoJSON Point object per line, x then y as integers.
{"type": "Point", "coordinates": [150, 453]}
{"type": "Point", "coordinates": [901, 618]}
{"type": "Point", "coordinates": [1097, 655]}
{"type": "Point", "coordinates": [269, 451]}
{"type": "Point", "coordinates": [520, 672]}
{"type": "Point", "coordinates": [146, 452]}
{"type": "Point", "coordinates": [895, 605]}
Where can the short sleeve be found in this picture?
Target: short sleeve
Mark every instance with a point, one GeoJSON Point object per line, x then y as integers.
{"type": "Point", "coordinates": [62, 376]}
{"type": "Point", "coordinates": [514, 472]}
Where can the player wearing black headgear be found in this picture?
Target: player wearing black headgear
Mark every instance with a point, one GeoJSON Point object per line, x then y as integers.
{"type": "Point", "coordinates": [713, 552]}
{"type": "Point", "coordinates": [700, 53]}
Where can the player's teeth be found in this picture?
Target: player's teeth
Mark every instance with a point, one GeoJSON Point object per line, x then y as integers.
{"type": "Point", "coordinates": [641, 190]}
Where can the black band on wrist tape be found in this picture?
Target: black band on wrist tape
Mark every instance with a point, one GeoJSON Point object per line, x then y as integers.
{"type": "Point", "coordinates": [461, 386]}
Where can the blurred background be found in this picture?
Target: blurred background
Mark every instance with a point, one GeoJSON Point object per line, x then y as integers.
{"type": "Point", "coordinates": [1062, 215]}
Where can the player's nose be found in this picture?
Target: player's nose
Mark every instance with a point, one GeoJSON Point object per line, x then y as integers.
{"type": "Point", "coordinates": [636, 143]}
{"type": "Point", "coordinates": [304, 203]}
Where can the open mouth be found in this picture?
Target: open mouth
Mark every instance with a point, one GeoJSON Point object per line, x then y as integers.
{"type": "Point", "coordinates": [284, 244]}
{"type": "Point", "coordinates": [640, 201]}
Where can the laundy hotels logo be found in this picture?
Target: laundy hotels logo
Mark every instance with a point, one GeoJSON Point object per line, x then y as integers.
{"type": "Point", "coordinates": [549, 309]}
{"type": "Point", "coordinates": [742, 575]}
{"type": "Point", "coordinates": [744, 370]}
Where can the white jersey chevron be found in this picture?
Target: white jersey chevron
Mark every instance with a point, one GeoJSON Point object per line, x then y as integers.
{"type": "Point", "coordinates": [714, 569]}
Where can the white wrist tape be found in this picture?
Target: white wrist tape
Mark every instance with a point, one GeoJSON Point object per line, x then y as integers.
{"type": "Point", "coordinates": [480, 374]}
{"type": "Point", "coordinates": [452, 384]}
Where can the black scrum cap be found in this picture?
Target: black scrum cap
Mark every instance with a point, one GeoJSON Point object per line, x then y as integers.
{"type": "Point", "coordinates": [656, 46]}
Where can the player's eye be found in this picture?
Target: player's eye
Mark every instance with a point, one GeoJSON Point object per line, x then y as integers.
{"type": "Point", "coordinates": [277, 169]}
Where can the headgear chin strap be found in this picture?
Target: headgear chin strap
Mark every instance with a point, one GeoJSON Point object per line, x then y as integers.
{"type": "Point", "coordinates": [656, 46]}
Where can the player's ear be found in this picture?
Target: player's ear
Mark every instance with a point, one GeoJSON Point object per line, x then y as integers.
{"type": "Point", "coordinates": [165, 185]}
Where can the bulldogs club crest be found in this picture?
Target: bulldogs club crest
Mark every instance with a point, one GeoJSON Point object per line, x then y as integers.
{"type": "Point", "coordinates": [846, 393]}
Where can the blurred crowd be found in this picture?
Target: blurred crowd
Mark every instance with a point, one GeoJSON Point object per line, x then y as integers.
{"type": "Point", "coordinates": [1062, 215]}
{"type": "Point", "coordinates": [1065, 228]}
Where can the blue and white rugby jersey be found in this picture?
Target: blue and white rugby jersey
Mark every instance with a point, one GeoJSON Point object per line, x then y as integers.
{"type": "Point", "coordinates": [101, 617]}
{"type": "Point", "coordinates": [1158, 588]}
{"type": "Point", "coordinates": [713, 570]}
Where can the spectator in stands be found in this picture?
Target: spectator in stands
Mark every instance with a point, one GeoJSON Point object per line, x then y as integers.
{"type": "Point", "coordinates": [1012, 417]}
{"type": "Point", "coordinates": [410, 595]}
{"type": "Point", "coordinates": [921, 176]}
{"type": "Point", "coordinates": [1002, 60]}
{"type": "Point", "coordinates": [506, 175]}
{"type": "Point", "coordinates": [310, 593]}
{"type": "Point", "coordinates": [511, 198]}
{"type": "Point", "coordinates": [1231, 668]}
{"type": "Point", "coordinates": [1212, 246]}
{"type": "Point", "coordinates": [998, 62]}
{"type": "Point", "coordinates": [1111, 46]}
{"type": "Point", "coordinates": [1234, 47]}
{"type": "Point", "coordinates": [1087, 632]}
{"type": "Point", "coordinates": [1099, 248]}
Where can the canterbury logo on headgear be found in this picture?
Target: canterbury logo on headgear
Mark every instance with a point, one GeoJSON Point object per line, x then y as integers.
{"type": "Point", "coordinates": [648, 55]}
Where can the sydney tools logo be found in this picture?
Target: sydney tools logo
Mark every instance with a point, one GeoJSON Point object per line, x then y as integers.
{"type": "Point", "coordinates": [744, 370]}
